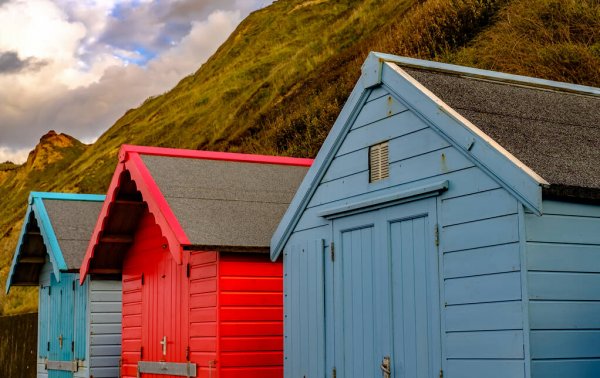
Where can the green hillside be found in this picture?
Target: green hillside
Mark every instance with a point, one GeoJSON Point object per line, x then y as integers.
{"type": "Point", "coordinates": [277, 84]}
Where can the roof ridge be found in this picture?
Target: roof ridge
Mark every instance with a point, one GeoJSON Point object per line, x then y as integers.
{"type": "Point", "coordinates": [212, 155]}
{"type": "Point", "coordinates": [495, 76]}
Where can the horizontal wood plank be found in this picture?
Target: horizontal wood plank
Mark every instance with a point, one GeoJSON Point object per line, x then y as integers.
{"type": "Point", "coordinates": [489, 288]}
{"type": "Point", "coordinates": [564, 286]}
{"type": "Point", "coordinates": [495, 344]}
{"type": "Point", "coordinates": [480, 261]}
{"type": "Point", "coordinates": [565, 344]}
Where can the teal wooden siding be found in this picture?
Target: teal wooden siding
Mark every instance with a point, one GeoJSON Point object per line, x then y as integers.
{"type": "Point", "coordinates": [482, 328]}
{"type": "Point", "coordinates": [563, 273]}
{"type": "Point", "coordinates": [104, 332]}
{"type": "Point", "coordinates": [62, 320]}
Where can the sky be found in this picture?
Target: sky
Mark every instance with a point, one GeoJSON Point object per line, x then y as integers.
{"type": "Point", "coordinates": [76, 66]}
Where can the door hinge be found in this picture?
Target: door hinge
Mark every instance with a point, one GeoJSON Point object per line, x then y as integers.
{"type": "Point", "coordinates": [49, 290]}
{"type": "Point", "coordinates": [141, 352]}
{"type": "Point", "coordinates": [73, 285]}
{"type": "Point", "coordinates": [333, 373]}
{"type": "Point", "coordinates": [441, 373]}
{"type": "Point", "coordinates": [72, 346]}
{"type": "Point", "coordinates": [187, 270]}
{"type": "Point", "coordinates": [48, 346]}
{"type": "Point", "coordinates": [332, 251]}
{"type": "Point", "coordinates": [187, 353]}
{"type": "Point", "coordinates": [142, 279]}
{"type": "Point", "coordinates": [437, 235]}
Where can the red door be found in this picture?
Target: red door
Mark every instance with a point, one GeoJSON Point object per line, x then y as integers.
{"type": "Point", "coordinates": [163, 310]}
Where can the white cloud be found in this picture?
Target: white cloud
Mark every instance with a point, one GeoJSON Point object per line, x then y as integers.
{"type": "Point", "coordinates": [67, 69]}
{"type": "Point", "coordinates": [8, 154]}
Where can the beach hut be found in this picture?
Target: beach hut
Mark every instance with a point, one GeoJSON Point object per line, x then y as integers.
{"type": "Point", "coordinates": [189, 232]}
{"type": "Point", "coordinates": [79, 327]}
{"type": "Point", "coordinates": [449, 226]}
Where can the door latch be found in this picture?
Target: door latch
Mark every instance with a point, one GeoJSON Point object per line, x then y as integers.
{"type": "Point", "coordinates": [385, 367]}
{"type": "Point", "coordinates": [163, 342]}
{"type": "Point", "coordinates": [60, 341]}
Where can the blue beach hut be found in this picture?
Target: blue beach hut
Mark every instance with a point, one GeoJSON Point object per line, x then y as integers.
{"type": "Point", "coordinates": [449, 226]}
{"type": "Point", "coordinates": [79, 327]}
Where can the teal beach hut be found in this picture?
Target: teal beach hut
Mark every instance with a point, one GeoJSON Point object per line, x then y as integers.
{"type": "Point", "coordinates": [79, 327]}
{"type": "Point", "coordinates": [448, 227]}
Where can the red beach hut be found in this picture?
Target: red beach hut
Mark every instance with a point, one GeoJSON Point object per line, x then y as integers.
{"type": "Point", "coordinates": [189, 232]}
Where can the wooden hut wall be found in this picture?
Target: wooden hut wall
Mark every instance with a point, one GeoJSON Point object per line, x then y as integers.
{"type": "Point", "coordinates": [482, 328]}
{"type": "Point", "coordinates": [563, 283]}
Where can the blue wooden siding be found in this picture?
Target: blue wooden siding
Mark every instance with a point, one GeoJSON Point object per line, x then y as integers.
{"type": "Point", "coordinates": [104, 328]}
{"type": "Point", "coordinates": [304, 304]}
{"type": "Point", "coordinates": [563, 264]}
{"type": "Point", "coordinates": [482, 327]}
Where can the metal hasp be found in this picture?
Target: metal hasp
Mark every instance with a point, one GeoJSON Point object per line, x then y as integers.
{"type": "Point", "coordinates": [72, 366]}
{"type": "Point", "coordinates": [178, 369]}
{"type": "Point", "coordinates": [385, 367]}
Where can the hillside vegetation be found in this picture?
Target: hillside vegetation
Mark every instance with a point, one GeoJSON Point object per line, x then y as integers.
{"type": "Point", "coordinates": [277, 84]}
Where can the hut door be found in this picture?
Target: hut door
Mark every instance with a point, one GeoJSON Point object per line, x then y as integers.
{"type": "Point", "coordinates": [386, 293]}
{"type": "Point", "coordinates": [60, 354]}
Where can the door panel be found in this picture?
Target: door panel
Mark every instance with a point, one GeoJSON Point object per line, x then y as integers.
{"type": "Point", "coordinates": [61, 323]}
{"type": "Point", "coordinates": [415, 299]}
{"type": "Point", "coordinates": [361, 315]}
{"type": "Point", "coordinates": [385, 292]}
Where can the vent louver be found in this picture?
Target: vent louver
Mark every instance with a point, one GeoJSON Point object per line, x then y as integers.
{"type": "Point", "coordinates": [379, 167]}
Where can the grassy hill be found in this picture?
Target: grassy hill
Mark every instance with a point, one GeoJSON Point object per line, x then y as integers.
{"type": "Point", "coordinates": [277, 84]}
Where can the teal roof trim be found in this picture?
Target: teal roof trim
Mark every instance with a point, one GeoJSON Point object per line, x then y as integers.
{"type": "Point", "coordinates": [36, 206]}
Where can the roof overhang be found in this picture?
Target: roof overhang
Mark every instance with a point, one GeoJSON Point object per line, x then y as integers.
{"type": "Point", "coordinates": [384, 70]}
{"type": "Point", "coordinates": [131, 163]}
{"type": "Point", "coordinates": [37, 240]}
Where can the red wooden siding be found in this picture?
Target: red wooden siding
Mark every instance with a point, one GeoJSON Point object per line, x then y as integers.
{"type": "Point", "coordinates": [203, 311]}
{"type": "Point", "coordinates": [154, 301]}
{"type": "Point", "coordinates": [250, 316]}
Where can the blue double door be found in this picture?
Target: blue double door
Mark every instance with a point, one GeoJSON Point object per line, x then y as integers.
{"type": "Point", "coordinates": [386, 303]}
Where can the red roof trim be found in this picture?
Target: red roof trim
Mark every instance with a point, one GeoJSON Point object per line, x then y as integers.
{"type": "Point", "coordinates": [212, 155]}
{"type": "Point", "coordinates": [158, 206]}
{"type": "Point", "coordinates": [130, 160]}
{"type": "Point", "coordinates": [102, 218]}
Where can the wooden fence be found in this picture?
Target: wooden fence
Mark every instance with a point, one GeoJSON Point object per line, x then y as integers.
{"type": "Point", "coordinates": [18, 346]}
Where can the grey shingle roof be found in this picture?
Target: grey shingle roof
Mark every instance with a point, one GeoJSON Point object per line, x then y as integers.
{"type": "Point", "coordinates": [73, 223]}
{"type": "Point", "coordinates": [225, 203]}
{"type": "Point", "coordinates": [557, 134]}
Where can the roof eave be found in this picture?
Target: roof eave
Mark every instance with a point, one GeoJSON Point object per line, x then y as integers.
{"type": "Point", "coordinates": [329, 148]}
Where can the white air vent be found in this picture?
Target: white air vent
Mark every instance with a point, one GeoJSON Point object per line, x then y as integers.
{"type": "Point", "coordinates": [379, 166]}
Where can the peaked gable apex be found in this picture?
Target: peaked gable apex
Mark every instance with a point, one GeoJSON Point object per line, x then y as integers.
{"type": "Point", "coordinates": [36, 212]}
{"type": "Point", "coordinates": [133, 168]}
{"type": "Point", "coordinates": [381, 70]}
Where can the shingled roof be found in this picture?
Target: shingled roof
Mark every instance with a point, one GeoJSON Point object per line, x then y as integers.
{"type": "Point", "coordinates": [200, 200]}
{"type": "Point", "coordinates": [57, 229]}
{"type": "Point", "coordinates": [225, 204]}
{"type": "Point", "coordinates": [554, 132]}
